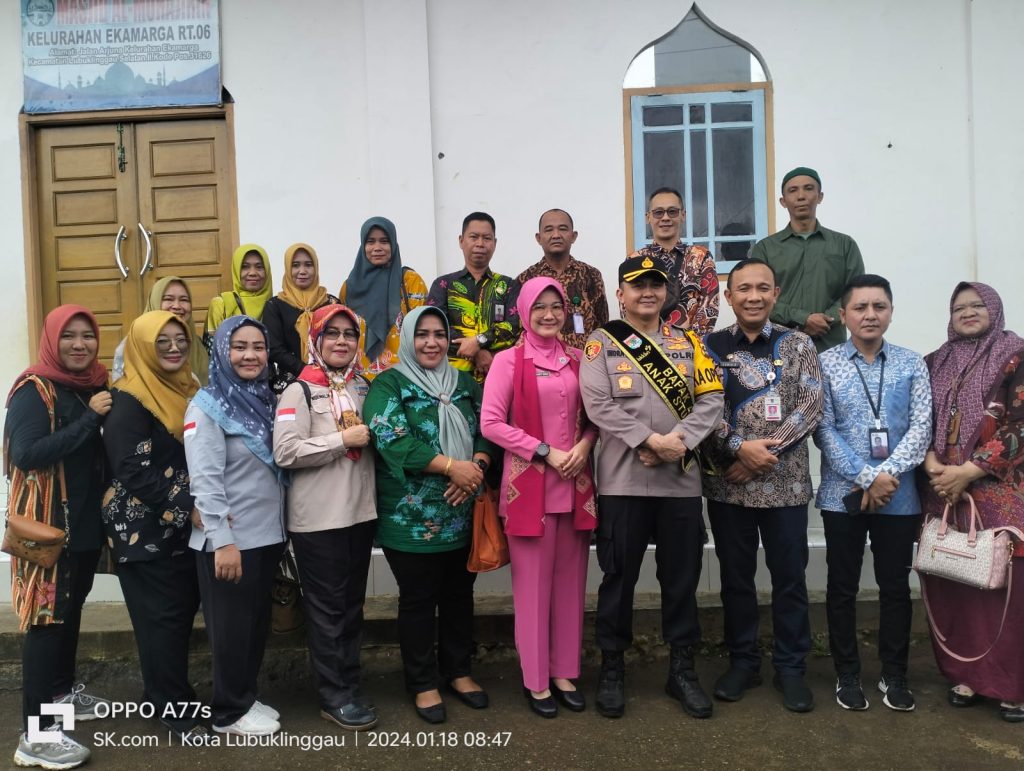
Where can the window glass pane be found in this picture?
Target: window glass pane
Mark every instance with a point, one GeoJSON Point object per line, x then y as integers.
{"type": "Point", "coordinates": [696, 113]}
{"type": "Point", "coordinates": [729, 251]}
{"type": "Point", "coordinates": [698, 213]}
{"type": "Point", "coordinates": [663, 116]}
{"type": "Point", "coordinates": [664, 164]}
{"type": "Point", "coordinates": [731, 112]}
{"type": "Point", "coordinates": [733, 165]}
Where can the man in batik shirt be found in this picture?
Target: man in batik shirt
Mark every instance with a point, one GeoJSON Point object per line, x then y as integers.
{"type": "Point", "coordinates": [692, 301]}
{"type": "Point", "coordinates": [479, 303]}
{"type": "Point", "coordinates": [588, 304]}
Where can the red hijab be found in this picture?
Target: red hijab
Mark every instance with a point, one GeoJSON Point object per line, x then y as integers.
{"type": "Point", "coordinates": [49, 365]}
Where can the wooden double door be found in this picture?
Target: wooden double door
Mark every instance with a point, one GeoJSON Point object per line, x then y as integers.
{"type": "Point", "coordinates": [121, 205]}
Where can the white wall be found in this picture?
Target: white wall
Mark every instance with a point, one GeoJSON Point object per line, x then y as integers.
{"type": "Point", "coordinates": [342, 111]}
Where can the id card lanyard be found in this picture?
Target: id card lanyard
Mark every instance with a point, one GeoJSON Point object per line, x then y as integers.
{"type": "Point", "coordinates": [772, 400]}
{"type": "Point", "coordinates": [878, 437]}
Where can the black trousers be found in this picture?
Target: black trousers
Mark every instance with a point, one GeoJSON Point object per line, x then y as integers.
{"type": "Point", "coordinates": [892, 547]}
{"type": "Point", "coordinates": [162, 596]}
{"type": "Point", "coordinates": [625, 527]}
{"type": "Point", "coordinates": [48, 653]}
{"type": "Point", "coordinates": [237, 620]}
{"type": "Point", "coordinates": [333, 567]}
{"type": "Point", "coordinates": [783, 532]}
{"type": "Point", "coordinates": [428, 584]}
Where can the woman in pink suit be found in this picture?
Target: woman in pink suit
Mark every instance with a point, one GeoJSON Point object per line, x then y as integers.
{"type": "Point", "coordinates": [532, 409]}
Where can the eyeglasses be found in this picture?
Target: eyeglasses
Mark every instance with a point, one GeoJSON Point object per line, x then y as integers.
{"type": "Point", "coordinates": [672, 213]}
{"type": "Point", "coordinates": [333, 334]}
{"type": "Point", "coordinates": [960, 310]}
{"type": "Point", "coordinates": [164, 344]}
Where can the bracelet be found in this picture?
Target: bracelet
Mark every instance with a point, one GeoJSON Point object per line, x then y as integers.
{"type": "Point", "coordinates": [448, 467]}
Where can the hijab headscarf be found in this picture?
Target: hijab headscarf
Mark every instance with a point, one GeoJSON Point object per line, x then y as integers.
{"type": "Point", "coordinates": [306, 300]}
{"type": "Point", "coordinates": [546, 350]}
{"type": "Point", "coordinates": [48, 364]}
{"type": "Point", "coordinates": [240, 407]}
{"type": "Point", "coordinates": [439, 383]}
{"type": "Point", "coordinates": [318, 373]}
{"type": "Point", "coordinates": [198, 358]}
{"type": "Point", "coordinates": [375, 293]}
{"type": "Point", "coordinates": [253, 302]}
{"type": "Point", "coordinates": [976, 362]}
{"type": "Point", "coordinates": [165, 394]}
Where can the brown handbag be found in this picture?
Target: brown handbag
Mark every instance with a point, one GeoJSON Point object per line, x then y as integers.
{"type": "Point", "coordinates": [29, 539]}
{"type": "Point", "coordinates": [490, 546]}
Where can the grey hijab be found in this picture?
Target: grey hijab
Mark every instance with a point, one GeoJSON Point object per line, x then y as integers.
{"type": "Point", "coordinates": [440, 383]}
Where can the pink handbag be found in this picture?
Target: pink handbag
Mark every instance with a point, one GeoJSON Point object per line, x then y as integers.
{"type": "Point", "coordinates": [979, 558]}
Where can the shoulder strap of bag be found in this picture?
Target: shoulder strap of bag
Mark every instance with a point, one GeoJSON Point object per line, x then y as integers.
{"type": "Point", "coordinates": [306, 393]}
{"type": "Point", "coordinates": [940, 638]}
{"type": "Point", "coordinates": [405, 293]}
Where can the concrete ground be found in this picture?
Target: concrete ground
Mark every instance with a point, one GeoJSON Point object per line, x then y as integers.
{"type": "Point", "coordinates": [654, 733]}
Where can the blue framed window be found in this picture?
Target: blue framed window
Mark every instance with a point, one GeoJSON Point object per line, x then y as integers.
{"type": "Point", "coordinates": [710, 146]}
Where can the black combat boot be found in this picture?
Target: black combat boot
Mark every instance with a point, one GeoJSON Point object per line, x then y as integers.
{"type": "Point", "coordinates": [611, 687]}
{"type": "Point", "coordinates": [683, 685]}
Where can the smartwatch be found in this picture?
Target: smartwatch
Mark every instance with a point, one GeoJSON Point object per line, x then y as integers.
{"type": "Point", "coordinates": [542, 451]}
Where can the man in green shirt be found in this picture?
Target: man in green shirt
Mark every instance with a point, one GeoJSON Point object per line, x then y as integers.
{"type": "Point", "coordinates": [812, 264]}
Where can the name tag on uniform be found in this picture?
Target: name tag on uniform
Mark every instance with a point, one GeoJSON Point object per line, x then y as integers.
{"type": "Point", "coordinates": [577, 323]}
{"type": "Point", "coordinates": [772, 408]}
{"type": "Point", "coordinates": [878, 441]}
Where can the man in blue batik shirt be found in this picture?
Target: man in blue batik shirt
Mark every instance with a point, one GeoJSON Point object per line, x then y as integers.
{"type": "Point", "coordinates": [875, 431]}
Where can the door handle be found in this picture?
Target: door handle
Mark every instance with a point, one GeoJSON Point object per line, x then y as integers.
{"type": "Point", "coordinates": [121, 236]}
{"type": "Point", "coordinates": [148, 264]}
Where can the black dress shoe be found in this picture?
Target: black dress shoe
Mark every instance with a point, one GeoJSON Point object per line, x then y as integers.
{"type": "Point", "coordinates": [545, 707]}
{"type": "Point", "coordinates": [434, 714]}
{"type": "Point", "coordinates": [960, 700]}
{"type": "Point", "coordinates": [572, 700]}
{"type": "Point", "coordinates": [734, 682]}
{"type": "Point", "coordinates": [1011, 714]}
{"type": "Point", "coordinates": [611, 693]}
{"type": "Point", "coordinates": [352, 717]}
{"type": "Point", "coordinates": [474, 699]}
{"type": "Point", "coordinates": [796, 696]}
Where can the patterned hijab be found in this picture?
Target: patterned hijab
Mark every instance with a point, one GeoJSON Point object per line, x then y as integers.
{"type": "Point", "coordinates": [165, 394]}
{"type": "Point", "coordinates": [49, 365]}
{"type": "Point", "coordinates": [197, 355]}
{"type": "Point", "coordinates": [975, 362]}
{"type": "Point", "coordinates": [253, 301]}
{"type": "Point", "coordinates": [240, 407]}
{"type": "Point", "coordinates": [306, 300]}
{"type": "Point", "coordinates": [439, 383]}
{"type": "Point", "coordinates": [375, 293]}
{"type": "Point", "coordinates": [343, 406]}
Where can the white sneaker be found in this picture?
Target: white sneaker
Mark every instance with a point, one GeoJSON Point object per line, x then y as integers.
{"type": "Point", "coordinates": [252, 723]}
{"type": "Point", "coordinates": [269, 711]}
{"type": "Point", "coordinates": [84, 703]}
{"type": "Point", "coordinates": [67, 753]}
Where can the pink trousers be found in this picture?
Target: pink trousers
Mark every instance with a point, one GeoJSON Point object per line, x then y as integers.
{"type": "Point", "coordinates": [549, 581]}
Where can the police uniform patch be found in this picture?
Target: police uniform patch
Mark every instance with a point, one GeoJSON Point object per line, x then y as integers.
{"type": "Point", "coordinates": [624, 366]}
{"type": "Point", "coordinates": [592, 349]}
{"type": "Point", "coordinates": [633, 342]}
{"type": "Point", "coordinates": [681, 366]}
{"type": "Point", "coordinates": [625, 383]}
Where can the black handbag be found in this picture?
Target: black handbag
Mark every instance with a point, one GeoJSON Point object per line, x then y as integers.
{"type": "Point", "coordinates": [286, 597]}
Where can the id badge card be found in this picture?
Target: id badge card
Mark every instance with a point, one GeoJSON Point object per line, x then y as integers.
{"type": "Point", "coordinates": [772, 407]}
{"type": "Point", "coordinates": [499, 313]}
{"type": "Point", "coordinates": [577, 323]}
{"type": "Point", "coordinates": [878, 441]}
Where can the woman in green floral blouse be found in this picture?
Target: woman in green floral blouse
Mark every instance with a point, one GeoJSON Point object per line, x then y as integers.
{"type": "Point", "coordinates": [425, 418]}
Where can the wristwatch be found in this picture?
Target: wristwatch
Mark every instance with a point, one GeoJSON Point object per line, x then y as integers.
{"type": "Point", "coordinates": [483, 340]}
{"type": "Point", "coordinates": [481, 463]}
{"type": "Point", "coordinates": [733, 443]}
{"type": "Point", "coordinates": [542, 451]}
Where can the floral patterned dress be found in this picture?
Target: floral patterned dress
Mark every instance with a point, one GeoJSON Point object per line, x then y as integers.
{"type": "Point", "coordinates": [413, 515]}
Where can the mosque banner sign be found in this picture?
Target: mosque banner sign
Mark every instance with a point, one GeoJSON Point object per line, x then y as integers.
{"type": "Point", "coordinates": [111, 54]}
